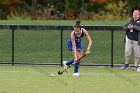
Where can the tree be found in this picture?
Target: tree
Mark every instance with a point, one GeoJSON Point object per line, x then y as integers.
{"type": "Point", "coordinates": [10, 2]}
{"type": "Point", "coordinates": [133, 4]}
{"type": "Point", "coordinates": [76, 7]}
{"type": "Point", "coordinates": [99, 1]}
{"type": "Point", "coordinates": [8, 6]}
{"type": "Point", "coordinates": [33, 11]}
{"type": "Point", "coordinates": [50, 8]}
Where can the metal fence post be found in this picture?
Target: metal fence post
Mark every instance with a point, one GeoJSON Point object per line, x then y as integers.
{"type": "Point", "coordinates": [13, 37]}
{"type": "Point", "coordinates": [112, 51]}
{"type": "Point", "coordinates": [61, 47]}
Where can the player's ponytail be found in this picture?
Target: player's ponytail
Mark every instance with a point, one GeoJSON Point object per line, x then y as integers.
{"type": "Point", "coordinates": [78, 24]}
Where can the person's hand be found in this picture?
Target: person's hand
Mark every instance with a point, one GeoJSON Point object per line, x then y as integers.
{"type": "Point", "coordinates": [130, 26]}
{"type": "Point", "coordinates": [75, 59]}
{"type": "Point", "coordinates": [88, 52]}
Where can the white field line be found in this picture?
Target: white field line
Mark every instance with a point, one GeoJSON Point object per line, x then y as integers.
{"type": "Point", "coordinates": [17, 71]}
{"type": "Point", "coordinates": [84, 82]}
{"type": "Point", "coordinates": [72, 82]}
{"type": "Point", "coordinates": [22, 80]}
{"type": "Point", "coordinates": [89, 73]}
{"type": "Point", "coordinates": [66, 81]}
{"type": "Point", "coordinates": [138, 74]}
{"type": "Point", "coordinates": [12, 71]}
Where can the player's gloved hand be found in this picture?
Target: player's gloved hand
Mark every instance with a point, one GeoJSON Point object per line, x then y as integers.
{"type": "Point", "coordinates": [88, 52]}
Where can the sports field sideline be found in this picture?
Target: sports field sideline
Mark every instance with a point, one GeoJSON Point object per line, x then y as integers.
{"type": "Point", "coordinates": [37, 79]}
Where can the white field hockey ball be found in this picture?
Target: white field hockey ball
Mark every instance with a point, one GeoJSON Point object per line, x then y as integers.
{"type": "Point", "coordinates": [51, 75]}
{"type": "Point", "coordinates": [138, 70]}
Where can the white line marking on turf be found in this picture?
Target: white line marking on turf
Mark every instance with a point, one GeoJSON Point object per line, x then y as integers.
{"type": "Point", "coordinates": [91, 73]}
{"type": "Point", "coordinates": [112, 74]}
{"type": "Point", "coordinates": [84, 82]}
{"type": "Point", "coordinates": [12, 71]}
{"type": "Point", "coordinates": [95, 82]}
{"type": "Point", "coordinates": [21, 80]}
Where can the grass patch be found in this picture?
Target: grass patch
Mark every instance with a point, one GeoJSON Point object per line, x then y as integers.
{"type": "Point", "coordinates": [36, 79]}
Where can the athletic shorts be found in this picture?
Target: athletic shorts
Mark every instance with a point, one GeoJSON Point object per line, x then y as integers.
{"type": "Point", "coordinates": [78, 45]}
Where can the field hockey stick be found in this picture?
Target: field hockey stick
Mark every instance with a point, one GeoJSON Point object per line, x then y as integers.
{"type": "Point", "coordinates": [61, 72]}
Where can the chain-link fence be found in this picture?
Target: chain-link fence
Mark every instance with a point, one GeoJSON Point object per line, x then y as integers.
{"type": "Point", "coordinates": [29, 44]}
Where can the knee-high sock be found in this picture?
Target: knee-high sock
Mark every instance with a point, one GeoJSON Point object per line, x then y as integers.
{"type": "Point", "coordinates": [70, 62]}
{"type": "Point", "coordinates": [76, 67]}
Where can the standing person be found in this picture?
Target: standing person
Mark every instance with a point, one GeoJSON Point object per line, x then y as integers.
{"type": "Point", "coordinates": [138, 69]}
{"type": "Point", "coordinates": [132, 39]}
{"type": "Point", "coordinates": [74, 45]}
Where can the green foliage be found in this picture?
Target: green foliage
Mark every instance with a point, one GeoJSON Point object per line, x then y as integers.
{"type": "Point", "coordinates": [9, 6]}
{"type": "Point", "coordinates": [73, 8]}
{"type": "Point", "coordinates": [3, 12]}
{"type": "Point", "coordinates": [59, 5]}
{"type": "Point", "coordinates": [114, 11]}
{"type": "Point", "coordinates": [18, 16]}
{"type": "Point", "coordinates": [66, 9]}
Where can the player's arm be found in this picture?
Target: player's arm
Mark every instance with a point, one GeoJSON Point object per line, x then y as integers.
{"type": "Point", "coordinates": [89, 42]}
{"type": "Point", "coordinates": [73, 45]}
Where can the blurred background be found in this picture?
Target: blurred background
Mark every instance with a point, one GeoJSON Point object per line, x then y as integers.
{"type": "Point", "coordinates": [67, 9]}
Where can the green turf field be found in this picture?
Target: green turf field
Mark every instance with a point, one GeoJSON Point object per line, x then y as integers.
{"type": "Point", "coordinates": [37, 79]}
{"type": "Point", "coordinates": [44, 46]}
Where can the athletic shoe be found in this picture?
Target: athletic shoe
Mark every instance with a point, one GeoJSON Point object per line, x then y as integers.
{"type": "Point", "coordinates": [125, 66]}
{"type": "Point", "coordinates": [76, 74]}
{"type": "Point", "coordinates": [138, 69]}
{"type": "Point", "coordinates": [65, 66]}
{"type": "Point", "coordinates": [135, 68]}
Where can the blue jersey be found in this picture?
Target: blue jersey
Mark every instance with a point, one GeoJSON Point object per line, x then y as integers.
{"type": "Point", "coordinates": [77, 41]}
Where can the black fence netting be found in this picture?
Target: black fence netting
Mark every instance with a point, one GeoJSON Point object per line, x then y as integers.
{"type": "Point", "coordinates": [37, 46]}
{"type": "Point", "coordinates": [32, 44]}
{"type": "Point", "coordinates": [5, 46]}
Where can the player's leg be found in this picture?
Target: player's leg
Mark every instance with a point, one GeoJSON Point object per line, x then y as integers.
{"type": "Point", "coordinates": [72, 60]}
{"type": "Point", "coordinates": [77, 64]}
{"type": "Point", "coordinates": [78, 48]}
{"type": "Point", "coordinates": [67, 63]}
